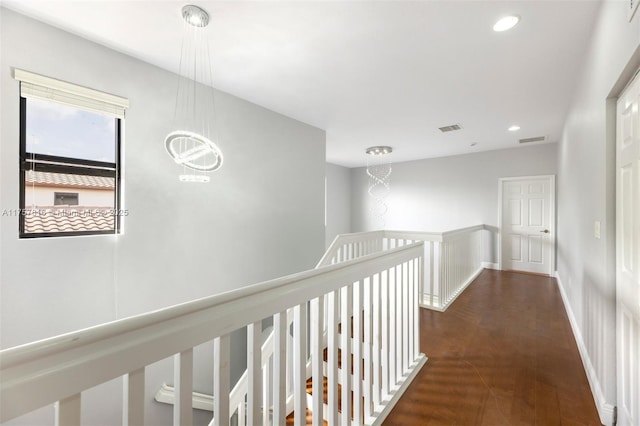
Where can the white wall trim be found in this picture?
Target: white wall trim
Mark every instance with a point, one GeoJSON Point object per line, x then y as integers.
{"type": "Point", "coordinates": [397, 392]}
{"type": "Point", "coordinates": [605, 410]}
{"type": "Point", "coordinates": [200, 401]}
{"type": "Point", "coordinates": [490, 265]}
{"type": "Point", "coordinates": [462, 288]}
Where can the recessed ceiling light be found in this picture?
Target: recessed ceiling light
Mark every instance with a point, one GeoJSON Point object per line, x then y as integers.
{"type": "Point", "coordinates": [506, 23]}
{"type": "Point", "coordinates": [514, 128]}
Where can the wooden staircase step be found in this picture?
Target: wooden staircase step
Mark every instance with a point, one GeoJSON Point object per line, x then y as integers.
{"type": "Point", "coordinates": [351, 326]}
{"type": "Point", "coordinates": [325, 358]}
{"type": "Point", "coordinates": [325, 391]}
{"type": "Point", "coordinates": [325, 387]}
{"type": "Point", "coordinates": [325, 399]}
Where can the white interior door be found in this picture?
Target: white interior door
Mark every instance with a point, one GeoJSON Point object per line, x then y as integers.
{"type": "Point", "coordinates": [628, 254]}
{"type": "Point", "coordinates": [527, 219]}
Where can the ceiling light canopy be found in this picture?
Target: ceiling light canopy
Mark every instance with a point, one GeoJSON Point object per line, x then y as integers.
{"type": "Point", "coordinates": [506, 23]}
{"type": "Point", "coordinates": [379, 150]}
{"type": "Point", "coordinates": [514, 128]}
{"type": "Point", "coordinates": [195, 16]}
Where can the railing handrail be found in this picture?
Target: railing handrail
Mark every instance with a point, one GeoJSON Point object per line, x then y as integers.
{"type": "Point", "coordinates": [132, 343]}
{"type": "Point", "coordinates": [408, 235]}
{"type": "Point", "coordinates": [447, 274]}
{"type": "Point", "coordinates": [344, 239]}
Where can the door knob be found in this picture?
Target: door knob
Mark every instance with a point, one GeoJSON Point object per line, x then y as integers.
{"type": "Point", "coordinates": [546, 231]}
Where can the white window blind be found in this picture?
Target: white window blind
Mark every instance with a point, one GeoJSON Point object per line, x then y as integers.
{"type": "Point", "coordinates": [49, 89]}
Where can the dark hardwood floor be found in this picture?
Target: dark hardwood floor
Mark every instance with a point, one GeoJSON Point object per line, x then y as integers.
{"type": "Point", "coordinates": [502, 354]}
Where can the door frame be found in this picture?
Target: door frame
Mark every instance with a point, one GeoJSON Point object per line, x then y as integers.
{"type": "Point", "coordinates": [552, 217]}
{"type": "Point", "coordinates": [619, 289]}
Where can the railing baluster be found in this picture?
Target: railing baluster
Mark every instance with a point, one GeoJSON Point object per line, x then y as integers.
{"type": "Point", "coordinates": [368, 284]}
{"type": "Point", "coordinates": [357, 352]}
{"type": "Point", "coordinates": [444, 260]}
{"type": "Point", "coordinates": [392, 328]}
{"type": "Point", "coordinates": [405, 314]}
{"type": "Point", "coordinates": [443, 274]}
{"type": "Point", "coordinates": [68, 411]}
{"type": "Point", "coordinates": [290, 366]}
{"type": "Point", "coordinates": [266, 403]}
{"type": "Point", "coordinates": [221, 387]}
{"type": "Point", "coordinates": [451, 262]}
{"type": "Point", "coordinates": [384, 312]}
{"type": "Point", "coordinates": [254, 373]}
{"type": "Point", "coordinates": [300, 364]}
{"type": "Point", "coordinates": [410, 311]}
{"type": "Point", "coordinates": [432, 272]}
{"type": "Point", "coordinates": [279, 368]}
{"type": "Point", "coordinates": [317, 329]}
{"type": "Point", "coordinates": [416, 307]}
{"type": "Point", "coordinates": [452, 268]}
{"type": "Point", "coordinates": [456, 265]}
{"type": "Point", "coordinates": [183, 382]}
{"type": "Point", "coordinates": [242, 413]}
{"type": "Point", "coordinates": [332, 359]}
{"type": "Point", "coordinates": [345, 345]}
{"type": "Point", "coordinates": [376, 339]}
{"type": "Point", "coordinates": [399, 323]}
{"type": "Point", "coordinates": [133, 398]}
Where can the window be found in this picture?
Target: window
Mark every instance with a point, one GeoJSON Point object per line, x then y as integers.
{"type": "Point", "coordinates": [65, 198]}
{"type": "Point", "coordinates": [69, 158]}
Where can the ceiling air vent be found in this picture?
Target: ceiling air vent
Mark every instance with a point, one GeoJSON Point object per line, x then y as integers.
{"type": "Point", "coordinates": [536, 139]}
{"type": "Point", "coordinates": [450, 128]}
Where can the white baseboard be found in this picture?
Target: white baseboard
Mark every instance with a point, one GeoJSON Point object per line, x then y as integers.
{"type": "Point", "coordinates": [605, 410]}
{"type": "Point", "coordinates": [489, 265]}
{"type": "Point", "coordinates": [455, 296]}
{"type": "Point", "coordinates": [397, 393]}
{"type": "Point", "coordinates": [201, 401]}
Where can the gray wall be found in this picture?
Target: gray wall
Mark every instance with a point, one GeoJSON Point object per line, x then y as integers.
{"type": "Point", "coordinates": [338, 201]}
{"type": "Point", "coordinates": [441, 194]}
{"type": "Point", "coordinates": [586, 181]}
{"type": "Point", "coordinates": [260, 217]}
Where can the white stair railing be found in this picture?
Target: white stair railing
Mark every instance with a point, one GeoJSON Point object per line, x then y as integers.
{"type": "Point", "coordinates": [452, 261]}
{"type": "Point", "coordinates": [381, 288]}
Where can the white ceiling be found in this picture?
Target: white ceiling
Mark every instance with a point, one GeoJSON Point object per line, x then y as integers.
{"type": "Point", "coordinates": [369, 72]}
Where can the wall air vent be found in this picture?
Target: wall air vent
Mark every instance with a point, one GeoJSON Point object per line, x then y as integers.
{"type": "Point", "coordinates": [536, 139]}
{"type": "Point", "coordinates": [450, 128]}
